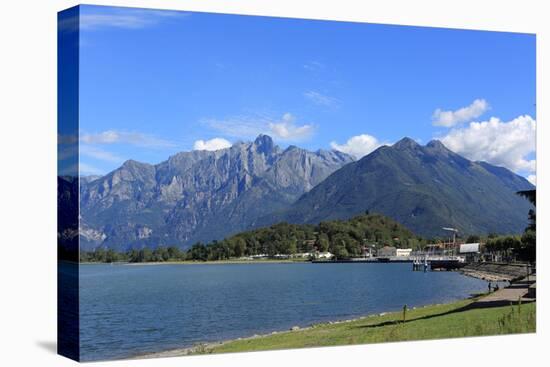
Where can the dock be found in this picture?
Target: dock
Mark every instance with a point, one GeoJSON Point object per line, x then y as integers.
{"type": "Point", "coordinates": [419, 262]}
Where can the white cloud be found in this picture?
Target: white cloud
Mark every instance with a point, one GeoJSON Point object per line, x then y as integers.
{"type": "Point", "coordinates": [509, 144]}
{"type": "Point", "coordinates": [105, 137]}
{"type": "Point", "coordinates": [242, 127]}
{"type": "Point", "coordinates": [464, 114]}
{"type": "Point", "coordinates": [314, 66]}
{"type": "Point", "coordinates": [86, 169]}
{"type": "Point", "coordinates": [124, 137]}
{"type": "Point", "coordinates": [212, 144]}
{"type": "Point", "coordinates": [288, 117]}
{"type": "Point", "coordinates": [320, 98]}
{"type": "Point", "coordinates": [358, 146]}
{"type": "Point", "coordinates": [95, 21]}
{"type": "Point", "coordinates": [286, 129]}
{"type": "Point", "coordinates": [100, 154]}
{"type": "Point", "coordinates": [250, 126]}
{"type": "Point", "coordinates": [532, 179]}
{"type": "Point", "coordinates": [126, 18]}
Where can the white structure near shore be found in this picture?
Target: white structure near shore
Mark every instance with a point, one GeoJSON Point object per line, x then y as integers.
{"type": "Point", "coordinates": [403, 252]}
{"type": "Point", "coordinates": [316, 255]}
{"type": "Point", "coordinates": [304, 255]}
{"type": "Point", "coordinates": [469, 248]}
{"type": "Point", "coordinates": [325, 255]}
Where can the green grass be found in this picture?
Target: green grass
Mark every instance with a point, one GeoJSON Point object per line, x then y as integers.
{"type": "Point", "coordinates": [430, 322]}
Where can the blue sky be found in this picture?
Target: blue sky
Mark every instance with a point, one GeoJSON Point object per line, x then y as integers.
{"type": "Point", "coordinates": [153, 83]}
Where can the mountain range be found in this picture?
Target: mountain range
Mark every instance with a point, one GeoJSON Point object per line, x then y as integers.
{"type": "Point", "coordinates": [425, 188]}
{"type": "Point", "coordinates": [199, 195]}
{"type": "Point", "coordinates": [208, 195]}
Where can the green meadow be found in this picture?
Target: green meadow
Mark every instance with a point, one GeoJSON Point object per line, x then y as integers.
{"type": "Point", "coordinates": [458, 319]}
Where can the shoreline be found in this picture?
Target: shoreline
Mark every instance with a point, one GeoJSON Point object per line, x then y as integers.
{"type": "Point", "coordinates": [206, 347]}
{"type": "Point", "coordinates": [185, 262]}
{"type": "Point", "coordinates": [497, 272]}
{"type": "Point", "coordinates": [477, 316]}
{"type": "Point", "coordinates": [480, 314]}
{"type": "Point", "coordinates": [217, 262]}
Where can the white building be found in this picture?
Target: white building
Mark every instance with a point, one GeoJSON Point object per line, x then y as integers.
{"type": "Point", "coordinates": [403, 252]}
{"type": "Point", "coordinates": [469, 248]}
{"type": "Point", "coordinates": [324, 255]}
{"type": "Point", "coordinates": [259, 256]}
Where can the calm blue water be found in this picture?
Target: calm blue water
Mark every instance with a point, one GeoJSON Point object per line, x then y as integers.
{"type": "Point", "coordinates": [131, 310]}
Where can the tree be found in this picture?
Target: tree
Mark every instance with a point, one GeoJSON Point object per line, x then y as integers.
{"type": "Point", "coordinates": [323, 242]}
{"type": "Point", "coordinates": [339, 245]}
{"type": "Point", "coordinates": [529, 240]}
{"type": "Point", "coordinates": [528, 246]}
{"type": "Point", "coordinates": [292, 248]}
{"type": "Point", "coordinates": [340, 251]}
{"type": "Point", "coordinates": [145, 255]}
{"type": "Point", "coordinates": [198, 252]}
{"type": "Point", "coordinates": [239, 247]}
{"type": "Point", "coordinates": [174, 253]}
{"type": "Point", "coordinates": [111, 256]}
{"type": "Point", "coordinates": [530, 195]}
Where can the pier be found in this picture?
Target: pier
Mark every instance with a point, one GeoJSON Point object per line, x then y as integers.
{"type": "Point", "coordinates": [419, 262]}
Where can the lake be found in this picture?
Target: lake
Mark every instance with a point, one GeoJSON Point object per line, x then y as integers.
{"type": "Point", "coordinates": [128, 310]}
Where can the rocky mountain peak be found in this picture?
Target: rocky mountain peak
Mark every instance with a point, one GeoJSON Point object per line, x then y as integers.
{"type": "Point", "coordinates": [406, 143]}
{"type": "Point", "coordinates": [133, 164]}
{"type": "Point", "coordinates": [437, 145]}
{"type": "Point", "coordinates": [291, 147]}
{"type": "Point", "coordinates": [199, 195]}
{"type": "Point", "coordinates": [264, 144]}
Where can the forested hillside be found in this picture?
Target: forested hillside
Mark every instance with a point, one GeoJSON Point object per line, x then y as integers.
{"type": "Point", "coordinates": [342, 238]}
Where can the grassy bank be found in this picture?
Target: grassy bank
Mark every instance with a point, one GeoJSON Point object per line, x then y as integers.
{"type": "Point", "coordinates": [430, 322]}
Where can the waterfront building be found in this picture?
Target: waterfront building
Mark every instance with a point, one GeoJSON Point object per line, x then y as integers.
{"type": "Point", "coordinates": [404, 252]}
